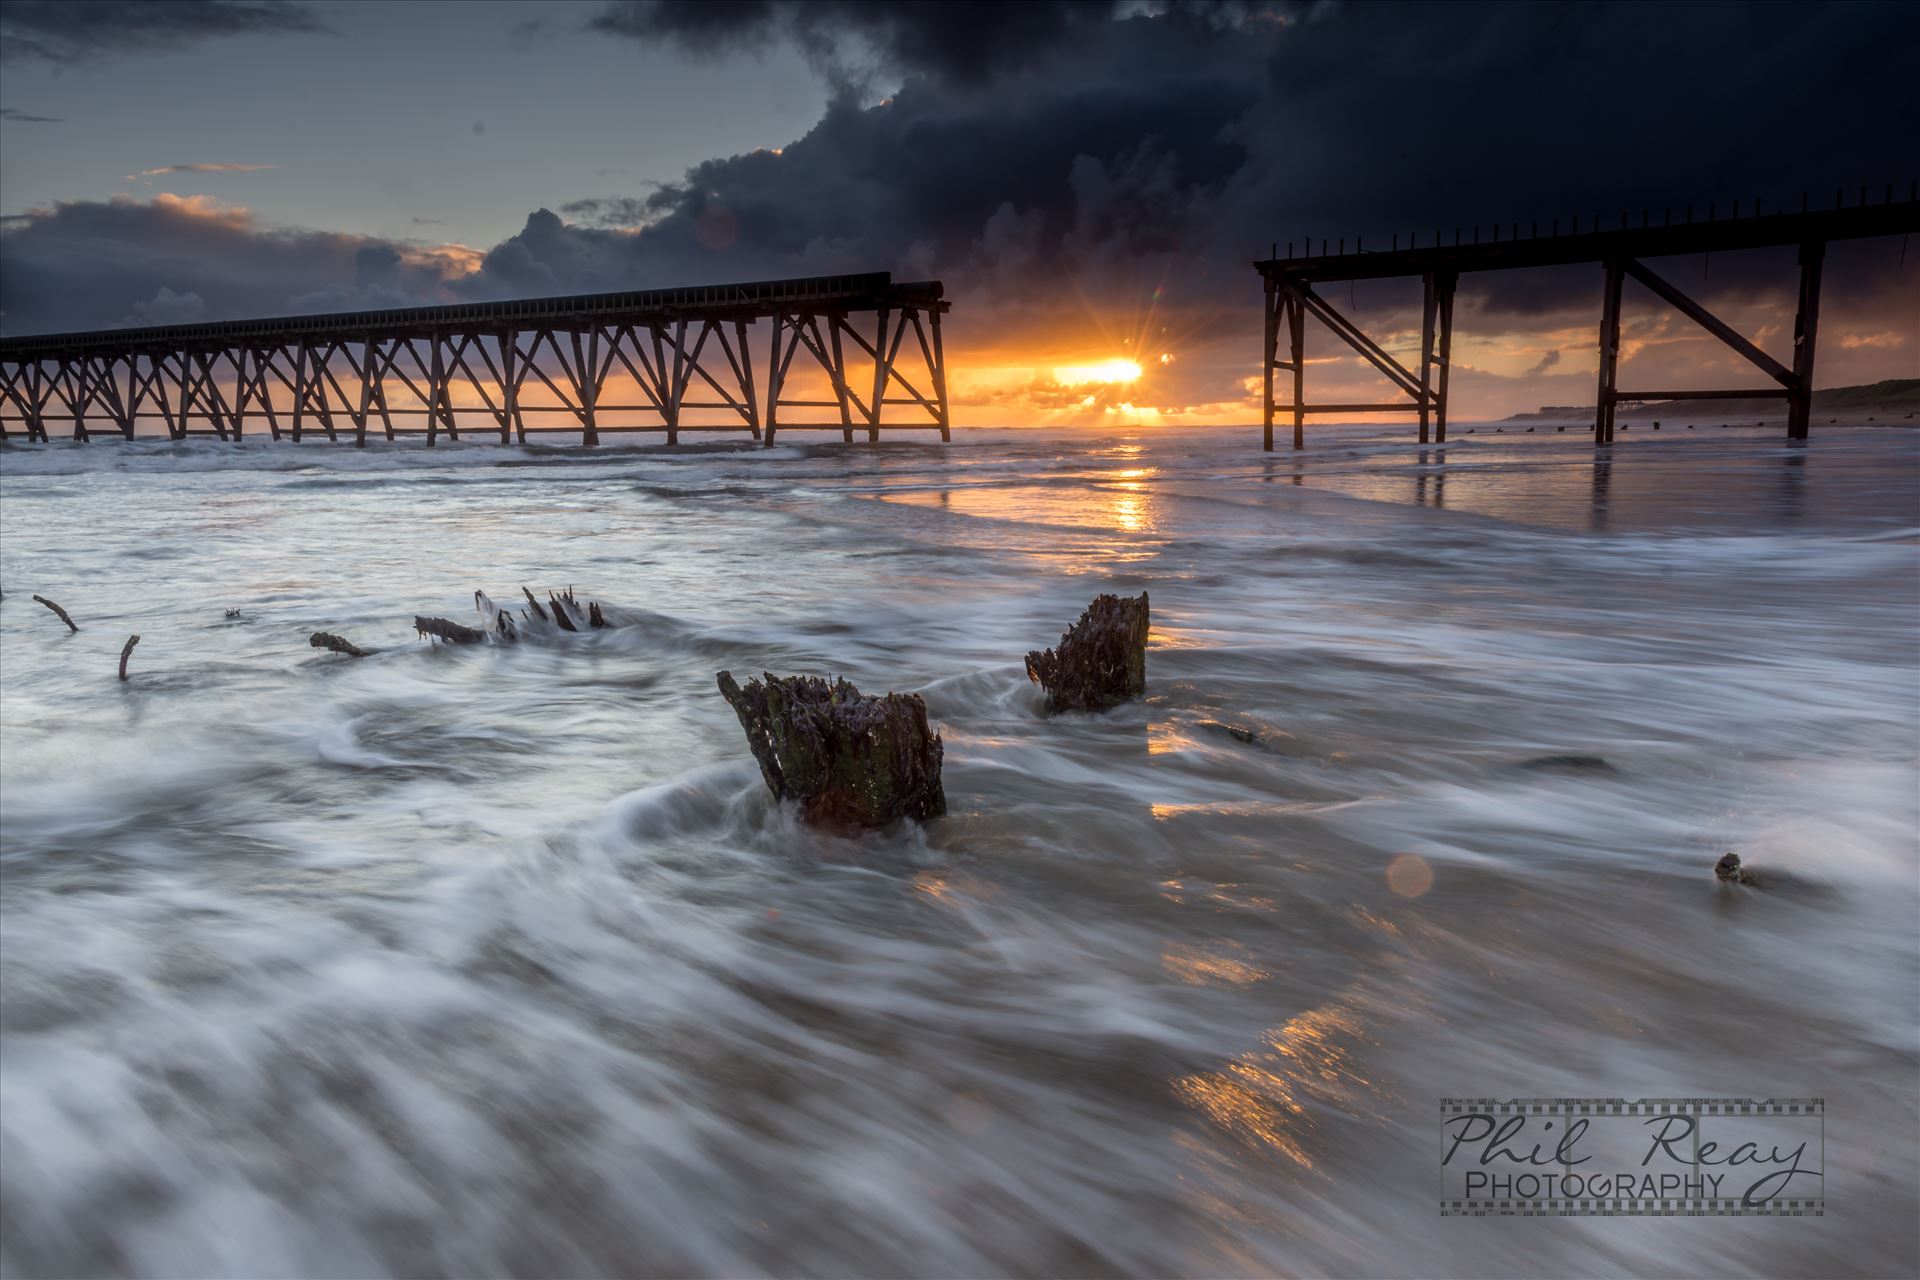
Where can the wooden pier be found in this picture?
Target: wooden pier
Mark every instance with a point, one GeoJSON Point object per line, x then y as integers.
{"type": "Point", "coordinates": [1620, 251]}
{"type": "Point", "coordinates": [855, 353]}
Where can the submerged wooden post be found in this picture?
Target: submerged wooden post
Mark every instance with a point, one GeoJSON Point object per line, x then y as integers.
{"type": "Point", "coordinates": [1806, 326]}
{"type": "Point", "coordinates": [58, 612]}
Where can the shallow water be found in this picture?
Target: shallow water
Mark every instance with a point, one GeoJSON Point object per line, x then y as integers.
{"type": "Point", "coordinates": [499, 960]}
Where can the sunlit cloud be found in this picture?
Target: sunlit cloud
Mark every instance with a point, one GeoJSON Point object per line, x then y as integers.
{"type": "Point", "coordinates": [198, 167]}
{"type": "Point", "coordinates": [204, 208]}
{"type": "Point", "coordinates": [1886, 340]}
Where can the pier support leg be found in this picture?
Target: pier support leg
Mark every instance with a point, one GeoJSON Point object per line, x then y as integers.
{"type": "Point", "coordinates": [1297, 343]}
{"type": "Point", "coordinates": [1609, 356]}
{"type": "Point", "coordinates": [1269, 354]}
{"type": "Point", "coordinates": [939, 376]}
{"type": "Point", "coordinates": [1806, 324]}
{"type": "Point", "coordinates": [879, 378]}
{"type": "Point", "coordinates": [1443, 304]}
{"type": "Point", "coordinates": [775, 372]}
{"type": "Point", "coordinates": [748, 395]}
{"type": "Point", "coordinates": [1427, 304]}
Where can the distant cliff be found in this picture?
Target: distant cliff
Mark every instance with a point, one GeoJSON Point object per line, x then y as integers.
{"type": "Point", "coordinates": [1896, 399]}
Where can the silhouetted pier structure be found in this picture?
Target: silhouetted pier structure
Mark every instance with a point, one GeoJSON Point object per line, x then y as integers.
{"type": "Point", "coordinates": [679, 360]}
{"type": "Point", "coordinates": [1291, 296]}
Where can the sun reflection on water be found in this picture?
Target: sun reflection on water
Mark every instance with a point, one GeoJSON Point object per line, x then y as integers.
{"type": "Point", "coordinates": [1260, 1098]}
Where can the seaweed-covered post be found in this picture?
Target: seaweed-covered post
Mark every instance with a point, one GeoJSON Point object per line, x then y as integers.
{"type": "Point", "coordinates": [849, 759]}
{"type": "Point", "coordinates": [1101, 662]}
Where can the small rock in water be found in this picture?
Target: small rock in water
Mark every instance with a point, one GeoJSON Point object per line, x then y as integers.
{"type": "Point", "coordinates": [1231, 730]}
{"type": "Point", "coordinates": [1101, 662]}
{"type": "Point", "coordinates": [1730, 870]}
{"type": "Point", "coordinates": [850, 760]}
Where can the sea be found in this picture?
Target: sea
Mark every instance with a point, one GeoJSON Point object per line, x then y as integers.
{"type": "Point", "coordinates": [500, 960]}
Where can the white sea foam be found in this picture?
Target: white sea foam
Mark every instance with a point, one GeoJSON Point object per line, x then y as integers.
{"type": "Point", "coordinates": [500, 959]}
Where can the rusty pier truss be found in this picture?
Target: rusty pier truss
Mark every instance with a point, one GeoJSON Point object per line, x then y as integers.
{"type": "Point", "coordinates": [1619, 251]}
{"type": "Point", "coordinates": [854, 353]}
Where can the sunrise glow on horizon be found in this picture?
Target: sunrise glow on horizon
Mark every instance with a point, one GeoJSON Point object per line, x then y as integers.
{"type": "Point", "coordinates": [1115, 370]}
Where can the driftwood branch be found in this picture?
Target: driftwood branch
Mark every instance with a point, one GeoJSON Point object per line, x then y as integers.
{"type": "Point", "coordinates": [339, 644]}
{"type": "Point", "coordinates": [538, 612]}
{"type": "Point", "coordinates": [127, 652]}
{"type": "Point", "coordinates": [71, 625]}
{"type": "Point", "coordinates": [451, 632]}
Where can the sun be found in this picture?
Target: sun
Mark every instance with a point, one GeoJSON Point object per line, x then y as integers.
{"type": "Point", "coordinates": [1109, 371]}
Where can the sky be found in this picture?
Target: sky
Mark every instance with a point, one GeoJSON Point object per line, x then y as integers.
{"type": "Point", "coordinates": [1091, 180]}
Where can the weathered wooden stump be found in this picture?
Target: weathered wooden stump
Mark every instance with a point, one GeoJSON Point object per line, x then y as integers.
{"type": "Point", "coordinates": [849, 759]}
{"type": "Point", "coordinates": [1101, 662]}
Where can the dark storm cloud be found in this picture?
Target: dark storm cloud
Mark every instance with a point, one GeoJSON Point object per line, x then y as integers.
{"type": "Point", "coordinates": [1167, 147]}
{"type": "Point", "coordinates": [959, 43]}
{"type": "Point", "coordinates": [92, 264]}
{"type": "Point", "coordinates": [24, 117]}
{"type": "Point", "coordinates": [1109, 154]}
{"type": "Point", "coordinates": [614, 211]}
{"type": "Point", "coordinates": [65, 31]}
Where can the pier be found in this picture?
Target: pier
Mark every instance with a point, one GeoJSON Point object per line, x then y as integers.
{"type": "Point", "coordinates": [1619, 250]}
{"type": "Point", "coordinates": [852, 354]}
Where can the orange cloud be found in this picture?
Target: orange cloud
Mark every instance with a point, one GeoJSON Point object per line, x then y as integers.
{"type": "Point", "coordinates": [205, 208]}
